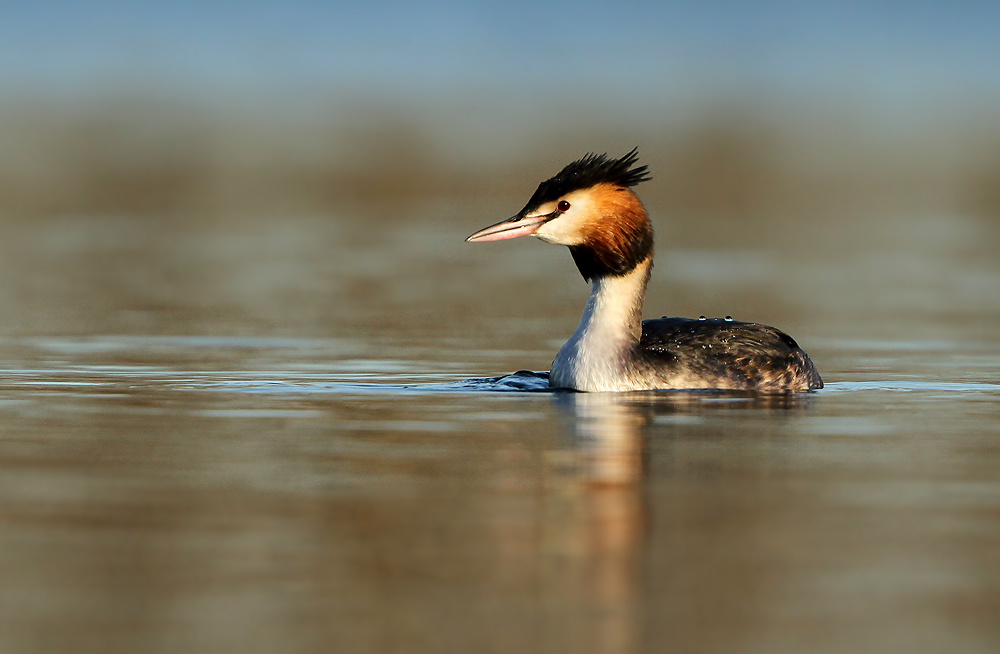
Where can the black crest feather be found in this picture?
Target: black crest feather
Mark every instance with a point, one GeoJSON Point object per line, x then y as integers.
{"type": "Point", "coordinates": [586, 172]}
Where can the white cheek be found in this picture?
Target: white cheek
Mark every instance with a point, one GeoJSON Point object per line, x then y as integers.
{"type": "Point", "coordinates": [562, 231]}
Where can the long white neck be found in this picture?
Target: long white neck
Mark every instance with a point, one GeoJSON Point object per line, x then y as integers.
{"type": "Point", "coordinates": [598, 356]}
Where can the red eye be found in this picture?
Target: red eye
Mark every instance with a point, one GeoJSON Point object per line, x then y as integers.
{"type": "Point", "coordinates": [563, 205]}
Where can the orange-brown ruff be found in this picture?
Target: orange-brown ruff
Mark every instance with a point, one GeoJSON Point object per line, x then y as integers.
{"type": "Point", "coordinates": [590, 207]}
{"type": "Point", "coordinates": [610, 244]}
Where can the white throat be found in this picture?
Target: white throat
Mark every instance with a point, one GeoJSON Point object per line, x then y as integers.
{"type": "Point", "coordinates": [600, 354]}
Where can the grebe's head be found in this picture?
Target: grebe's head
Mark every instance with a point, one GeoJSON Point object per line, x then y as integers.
{"type": "Point", "coordinates": [590, 207]}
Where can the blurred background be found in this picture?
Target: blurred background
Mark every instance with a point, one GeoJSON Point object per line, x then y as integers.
{"type": "Point", "coordinates": [236, 313]}
{"type": "Point", "coordinates": [232, 168]}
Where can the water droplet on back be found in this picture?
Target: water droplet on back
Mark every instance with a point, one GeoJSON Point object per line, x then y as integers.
{"type": "Point", "coordinates": [701, 317]}
{"type": "Point", "coordinates": [729, 318]}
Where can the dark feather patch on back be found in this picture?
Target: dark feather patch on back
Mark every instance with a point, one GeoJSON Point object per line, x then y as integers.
{"type": "Point", "coordinates": [589, 171]}
{"type": "Point", "coordinates": [752, 356]}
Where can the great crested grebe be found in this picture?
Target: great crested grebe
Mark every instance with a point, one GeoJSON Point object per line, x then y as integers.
{"type": "Point", "coordinates": [590, 207]}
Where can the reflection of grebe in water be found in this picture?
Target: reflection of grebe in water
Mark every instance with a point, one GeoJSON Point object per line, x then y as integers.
{"type": "Point", "coordinates": [598, 521]}
{"type": "Point", "coordinates": [590, 207]}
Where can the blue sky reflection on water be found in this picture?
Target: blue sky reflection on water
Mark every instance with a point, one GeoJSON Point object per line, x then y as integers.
{"type": "Point", "coordinates": [882, 48]}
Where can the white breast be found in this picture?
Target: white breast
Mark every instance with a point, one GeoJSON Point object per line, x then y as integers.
{"type": "Point", "coordinates": [598, 356]}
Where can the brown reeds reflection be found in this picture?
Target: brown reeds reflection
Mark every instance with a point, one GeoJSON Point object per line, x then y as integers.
{"type": "Point", "coordinates": [744, 168]}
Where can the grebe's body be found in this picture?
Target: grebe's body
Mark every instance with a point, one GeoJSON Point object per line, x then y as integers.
{"type": "Point", "coordinates": [590, 207]}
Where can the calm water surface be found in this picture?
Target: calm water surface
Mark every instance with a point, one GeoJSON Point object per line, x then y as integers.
{"type": "Point", "coordinates": [199, 458]}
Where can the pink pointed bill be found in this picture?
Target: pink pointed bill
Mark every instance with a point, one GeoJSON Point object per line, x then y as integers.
{"type": "Point", "coordinates": [510, 228]}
